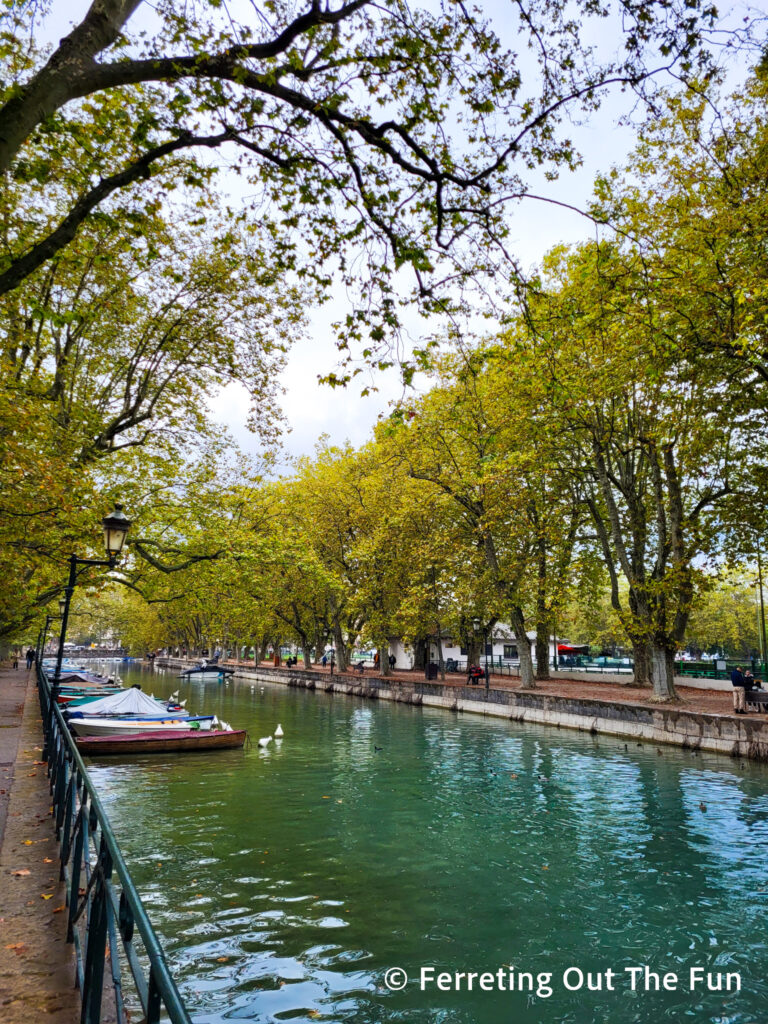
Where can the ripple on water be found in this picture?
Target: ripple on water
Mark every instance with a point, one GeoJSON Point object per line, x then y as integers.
{"type": "Point", "coordinates": [472, 843]}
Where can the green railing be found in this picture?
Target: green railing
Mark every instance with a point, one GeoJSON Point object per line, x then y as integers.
{"type": "Point", "coordinates": [715, 670]}
{"type": "Point", "coordinates": [106, 921]}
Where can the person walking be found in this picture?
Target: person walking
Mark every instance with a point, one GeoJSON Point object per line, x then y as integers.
{"type": "Point", "coordinates": [30, 658]}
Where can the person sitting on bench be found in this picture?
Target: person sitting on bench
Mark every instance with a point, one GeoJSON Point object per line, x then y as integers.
{"type": "Point", "coordinates": [475, 674]}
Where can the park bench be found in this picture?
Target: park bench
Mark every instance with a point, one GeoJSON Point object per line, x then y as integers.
{"type": "Point", "coordinates": [756, 700]}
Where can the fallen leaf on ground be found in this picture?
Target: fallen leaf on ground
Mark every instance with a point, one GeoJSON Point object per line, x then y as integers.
{"type": "Point", "coordinates": [46, 895]}
{"type": "Point", "coordinates": [39, 762]}
{"type": "Point", "coordinates": [47, 860]}
{"type": "Point", "coordinates": [58, 910]}
{"type": "Point", "coordinates": [17, 947]}
{"type": "Point", "coordinates": [22, 872]}
{"type": "Point", "coordinates": [221, 959]}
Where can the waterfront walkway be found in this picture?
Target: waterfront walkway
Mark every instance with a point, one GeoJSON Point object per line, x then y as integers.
{"type": "Point", "coordinates": [36, 964]}
{"type": "Point", "coordinates": [712, 702]}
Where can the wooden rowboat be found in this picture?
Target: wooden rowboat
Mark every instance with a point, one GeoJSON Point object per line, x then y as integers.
{"type": "Point", "coordinates": [165, 741]}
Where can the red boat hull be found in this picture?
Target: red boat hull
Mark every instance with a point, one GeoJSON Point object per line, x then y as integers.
{"type": "Point", "coordinates": [160, 742]}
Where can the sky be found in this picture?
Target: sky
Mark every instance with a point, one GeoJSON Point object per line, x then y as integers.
{"type": "Point", "coordinates": [311, 409]}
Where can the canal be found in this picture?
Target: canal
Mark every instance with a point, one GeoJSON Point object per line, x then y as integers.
{"type": "Point", "coordinates": [285, 882]}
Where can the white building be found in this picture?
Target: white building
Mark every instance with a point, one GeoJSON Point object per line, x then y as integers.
{"type": "Point", "coordinates": [501, 649]}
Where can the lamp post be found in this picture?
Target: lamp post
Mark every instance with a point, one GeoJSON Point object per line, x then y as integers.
{"type": "Point", "coordinates": [478, 624]}
{"type": "Point", "coordinates": [42, 639]}
{"type": "Point", "coordinates": [764, 653]}
{"type": "Point", "coordinates": [116, 528]}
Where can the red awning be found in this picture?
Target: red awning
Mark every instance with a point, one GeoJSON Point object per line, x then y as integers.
{"type": "Point", "coordinates": [568, 649]}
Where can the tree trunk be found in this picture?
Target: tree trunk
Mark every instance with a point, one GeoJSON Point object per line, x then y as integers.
{"type": "Point", "coordinates": [341, 650]}
{"type": "Point", "coordinates": [542, 616]}
{"type": "Point", "coordinates": [542, 649]}
{"type": "Point", "coordinates": [383, 649]}
{"type": "Point", "coordinates": [440, 658]}
{"type": "Point", "coordinates": [306, 652]}
{"type": "Point", "coordinates": [527, 679]}
{"type": "Point", "coordinates": [641, 656]}
{"type": "Point", "coordinates": [419, 654]}
{"type": "Point", "coordinates": [663, 674]}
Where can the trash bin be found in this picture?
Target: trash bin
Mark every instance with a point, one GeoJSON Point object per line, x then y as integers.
{"type": "Point", "coordinates": [432, 670]}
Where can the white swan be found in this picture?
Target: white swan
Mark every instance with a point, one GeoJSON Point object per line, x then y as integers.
{"type": "Point", "coordinates": [278, 732]}
{"type": "Point", "coordinates": [265, 741]}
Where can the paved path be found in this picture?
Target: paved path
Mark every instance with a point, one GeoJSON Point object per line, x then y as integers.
{"type": "Point", "coordinates": [36, 964]}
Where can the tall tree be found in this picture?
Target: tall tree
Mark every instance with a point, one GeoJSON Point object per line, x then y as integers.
{"type": "Point", "coordinates": [336, 116]}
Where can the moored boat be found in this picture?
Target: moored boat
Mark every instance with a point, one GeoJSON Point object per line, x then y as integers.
{"type": "Point", "coordinates": [71, 700]}
{"type": "Point", "coordinates": [161, 742]}
{"type": "Point", "coordinates": [207, 670]}
{"type": "Point", "coordinates": [104, 726]}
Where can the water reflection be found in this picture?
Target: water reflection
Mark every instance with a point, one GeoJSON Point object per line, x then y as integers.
{"type": "Point", "coordinates": [284, 884]}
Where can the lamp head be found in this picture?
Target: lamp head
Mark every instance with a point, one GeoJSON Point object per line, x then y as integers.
{"type": "Point", "coordinates": [116, 528]}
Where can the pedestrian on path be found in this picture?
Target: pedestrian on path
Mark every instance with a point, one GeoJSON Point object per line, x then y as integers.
{"type": "Point", "coordinates": [30, 658]}
{"type": "Point", "coordinates": [739, 693]}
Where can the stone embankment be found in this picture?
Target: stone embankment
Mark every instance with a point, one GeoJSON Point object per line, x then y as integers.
{"type": "Point", "coordinates": [701, 721]}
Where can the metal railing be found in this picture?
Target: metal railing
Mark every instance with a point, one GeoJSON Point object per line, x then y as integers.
{"type": "Point", "coordinates": [106, 921]}
{"type": "Point", "coordinates": [721, 668]}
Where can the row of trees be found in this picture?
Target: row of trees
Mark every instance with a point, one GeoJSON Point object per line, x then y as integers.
{"type": "Point", "coordinates": [611, 436]}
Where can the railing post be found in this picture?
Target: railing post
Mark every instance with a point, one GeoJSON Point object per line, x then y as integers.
{"type": "Point", "coordinates": [96, 948]}
{"type": "Point", "coordinates": [77, 860]}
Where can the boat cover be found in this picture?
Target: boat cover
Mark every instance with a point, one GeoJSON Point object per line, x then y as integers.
{"type": "Point", "coordinates": [127, 702]}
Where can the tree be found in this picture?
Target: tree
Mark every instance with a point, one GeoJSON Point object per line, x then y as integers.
{"type": "Point", "coordinates": [336, 118]}
{"type": "Point", "coordinates": [653, 447]}
{"type": "Point", "coordinates": [471, 440]}
{"type": "Point", "coordinates": [691, 206]}
{"type": "Point", "coordinates": [726, 617]}
{"type": "Point", "coordinates": [107, 358]}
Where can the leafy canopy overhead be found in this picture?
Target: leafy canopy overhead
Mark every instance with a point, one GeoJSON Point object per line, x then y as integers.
{"type": "Point", "coordinates": [369, 136]}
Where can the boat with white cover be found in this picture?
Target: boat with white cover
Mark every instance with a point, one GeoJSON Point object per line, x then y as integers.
{"type": "Point", "coordinates": [123, 726]}
{"type": "Point", "coordinates": [131, 711]}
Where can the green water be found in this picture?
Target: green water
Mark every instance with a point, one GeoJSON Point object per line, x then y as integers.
{"type": "Point", "coordinates": [284, 883]}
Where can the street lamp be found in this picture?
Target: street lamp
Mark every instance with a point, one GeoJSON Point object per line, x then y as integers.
{"type": "Point", "coordinates": [477, 623]}
{"type": "Point", "coordinates": [43, 637]}
{"type": "Point", "coordinates": [116, 528]}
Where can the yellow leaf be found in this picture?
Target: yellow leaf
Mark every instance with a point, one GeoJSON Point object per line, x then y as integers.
{"type": "Point", "coordinates": [46, 895]}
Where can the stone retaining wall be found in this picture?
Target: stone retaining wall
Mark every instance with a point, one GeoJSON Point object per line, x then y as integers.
{"type": "Point", "coordinates": [725, 734]}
